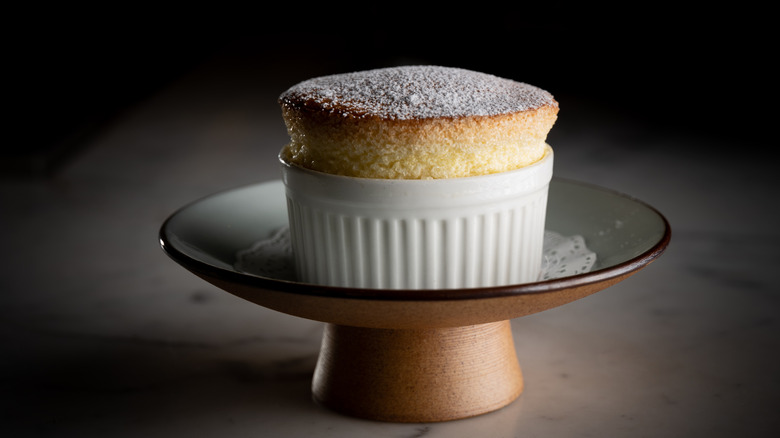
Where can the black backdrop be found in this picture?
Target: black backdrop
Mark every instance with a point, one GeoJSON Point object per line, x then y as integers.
{"type": "Point", "coordinates": [703, 75]}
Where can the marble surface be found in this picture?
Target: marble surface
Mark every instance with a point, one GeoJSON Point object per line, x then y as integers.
{"type": "Point", "coordinates": [103, 335]}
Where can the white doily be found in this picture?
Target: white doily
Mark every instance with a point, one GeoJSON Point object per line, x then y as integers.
{"type": "Point", "coordinates": [272, 257]}
{"type": "Point", "coordinates": [565, 256]}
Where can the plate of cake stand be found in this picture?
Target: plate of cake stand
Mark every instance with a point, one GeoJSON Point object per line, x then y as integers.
{"type": "Point", "coordinates": [414, 355]}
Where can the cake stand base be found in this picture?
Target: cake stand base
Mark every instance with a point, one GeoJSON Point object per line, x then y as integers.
{"type": "Point", "coordinates": [421, 355]}
{"type": "Point", "coordinates": [417, 375]}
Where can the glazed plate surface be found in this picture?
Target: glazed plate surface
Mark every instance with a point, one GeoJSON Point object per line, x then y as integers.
{"type": "Point", "coordinates": [206, 236]}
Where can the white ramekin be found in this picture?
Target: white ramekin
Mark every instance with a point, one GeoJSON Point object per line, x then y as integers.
{"type": "Point", "coordinates": [454, 233]}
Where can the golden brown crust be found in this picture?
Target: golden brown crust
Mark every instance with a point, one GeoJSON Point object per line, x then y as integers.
{"type": "Point", "coordinates": [380, 138]}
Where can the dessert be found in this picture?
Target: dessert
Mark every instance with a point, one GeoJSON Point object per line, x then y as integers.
{"type": "Point", "coordinates": [417, 177]}
{"type": "Point", "coordinates": [416, 122]}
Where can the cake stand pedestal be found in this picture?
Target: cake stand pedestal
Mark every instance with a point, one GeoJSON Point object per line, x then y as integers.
{"type": "Point", "coordinates": [418, 375]}
{"type": "Point", "coordinates": [414, 355]}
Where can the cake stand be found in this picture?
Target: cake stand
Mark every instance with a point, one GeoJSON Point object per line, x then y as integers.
{"type": "Point", "coordinates": [414, 355]}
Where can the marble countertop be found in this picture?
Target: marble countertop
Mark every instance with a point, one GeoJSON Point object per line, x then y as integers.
{"type": "Point", "coordinates": [104, 335]}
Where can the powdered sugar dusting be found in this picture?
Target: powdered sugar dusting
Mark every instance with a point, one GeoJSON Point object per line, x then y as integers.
{"type": "Point", "coordinates": [416, 92]}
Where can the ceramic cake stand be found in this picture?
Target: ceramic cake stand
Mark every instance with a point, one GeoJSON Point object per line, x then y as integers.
{"type": "Point", "coordinates": [414, 355]}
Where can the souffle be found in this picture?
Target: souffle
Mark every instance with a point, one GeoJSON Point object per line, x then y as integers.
{"type": "Point", "coordinates": [416, 122]}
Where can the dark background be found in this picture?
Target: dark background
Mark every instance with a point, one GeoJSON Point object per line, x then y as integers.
{"type": "Point", "coordinates": [94, 317]}
{"type": "Point", "coordinates": [674, 74]}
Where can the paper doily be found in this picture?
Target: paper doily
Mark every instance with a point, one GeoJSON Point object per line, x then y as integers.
{"type": "Point", "coordinates": [565, 256]}
{"type": "Point", "coordinates": [272, 257]}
